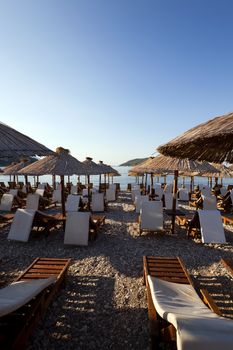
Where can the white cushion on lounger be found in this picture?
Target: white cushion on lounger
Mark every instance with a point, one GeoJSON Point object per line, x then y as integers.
{"type": "Point", "coordinates": [40, 191]}
{"type": "Point", "coordinates": [209, 202]}
{"type": "Point", "coordinates": [139, 199]}
{"type": "Point", "coordinates": [169, 201]}
{"type": "Point", "coordinates": [110, 194]}
{"type": "Point", "coordinates": [151, 216]}
{"type": "Point", "coordinates": [212, 230]}
{"type": "Point", "coordinates": [19, 293]}
{"type": "Point", "coordinates": [72, 203]}
{"type": "Point", "coordinates": [21, 225]}
{"type": "Point", "coordinates": [32, 201]}
{"type": "Point", "coordinates": [183, 194]}
{"type": "Point", "coordinates": [97, 202]}
{"type": "Point", "coordinates": [77, 228]}
{"type": "Point", "coordinates": [6, 202]}
{"type": "Point", "coordinates": [197, 327]}
{"type": "Point", "coordinates": [13, 191]}
{"type": "Point", "coordinates": [56, 196]}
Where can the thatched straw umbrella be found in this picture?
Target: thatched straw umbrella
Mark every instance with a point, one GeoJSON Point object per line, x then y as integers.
{"type": "Point", "coordinates": [14, 169]}
{"type": "Point", "coordinates": [14, 143]}
{"type": "Point", "coordinates": [211, 141]}
{"type": "Point", "coordinates": [164, 164]}
{"type": "Point", "coordinates": [61, 163]}
{"type": "Point", "coordinates": [223, 171]}
{"type": "Point", "coordinates": [106, 169]}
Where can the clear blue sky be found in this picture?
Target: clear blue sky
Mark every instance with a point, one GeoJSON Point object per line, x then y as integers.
{"type": "Point", "coordinates": [113, 79]}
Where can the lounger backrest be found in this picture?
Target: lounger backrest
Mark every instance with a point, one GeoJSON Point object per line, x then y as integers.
{"type": "Point", "coordinates": [72, 203]}
{"type": "Point", "coordinates": [32, 201]}
{"type": "Point", "coordinates": [40, 191]}
{"type": "Point", "coordinates": [21, 225]}
{"type": "Point", "coordinates": [212, 230]}
{"type": "Point", "coordinates": [110, 194]}
{"type": "Point", "coordinates": [6, 202]}
{"type": "Point", "coordinates": [151, 215]}
{"type": "Point", "coordinates": [14, 192]}
{"type": "Point", "coordinates": [56, 196]}
{"type": "Point", "coordinates": [206, 191]}
{"type": "Point", "coordinates": [97, 202]}
{"type": "Point", "coordinates": [168, 188]}
{"type": "Point", "coordinates": [24, 189]}
{"type": "Point", "coordinates": [135, 193]}
{"type": "Point", "coordinates": [139, 200]}
{"type": "Point", "coordinates": [73, 189]}
{"type": "Point", "coordinates": [112, 187]}
{"type": "Point", "coordinates": [223, 191]}
{"type": "Point", "coordinates": [159, 192]}
{"type": "Point", "coordinates": [77, 228]}
{"type": "Point", "coordinates": [41, 186]}
{"type": "Point", "coordinates": [183, 194]}
{"type": "Point", "coordinates": [85, 192]}
{"type": "Point", "coordinates": [135, 187]}
{"type": "Point", "coordinates": [168, 197]}
{"type": "Point", "coordinates": [209, 202]}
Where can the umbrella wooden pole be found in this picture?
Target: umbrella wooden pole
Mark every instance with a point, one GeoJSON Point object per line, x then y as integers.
{"type": "Point", "coordinates": [63, 196]}
{"type": "Point", "coordinates": [54, 182]}
{"type": "Point", "coordinates": [146, 184]}
{"type": "Point", "coordinates": [26, 183]}
{"type": "Point", "coordinates": [88, 192]}
{"type": "Point", "coordinates": [211, 184]}
{"type": "Point", "coordinates": [105, 185]}
{"type": "Point", "coordinates": [165, 179]}
{"type": "Point", "coordinates": [176, 174]}
{"type": "Point", "coordinates": [99, 183]}
{"type": "Point", "coordinates": [151, 184]}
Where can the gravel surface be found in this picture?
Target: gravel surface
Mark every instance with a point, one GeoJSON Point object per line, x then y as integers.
{"type": "Point", "coordinates": [103, 305]}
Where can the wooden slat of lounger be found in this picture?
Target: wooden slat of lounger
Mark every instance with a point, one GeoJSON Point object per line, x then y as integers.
{"type": "Point", "coordinates": [227, 220]}
{"type": "Point", "coordinates": [47, 266]}
{"type": "Point", "coordinates": [58, 267]}
{"type": "Point", "coordinates": [20, 324]}
{"type": "Point", "coordinates": [166, 268]}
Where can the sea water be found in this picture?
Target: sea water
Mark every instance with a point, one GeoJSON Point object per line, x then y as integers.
{"type": "Point", "coordinates": [124, 179]}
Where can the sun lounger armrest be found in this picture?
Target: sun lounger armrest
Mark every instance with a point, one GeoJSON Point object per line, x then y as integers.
{"type": "Point", "coordinates": [207, 299]}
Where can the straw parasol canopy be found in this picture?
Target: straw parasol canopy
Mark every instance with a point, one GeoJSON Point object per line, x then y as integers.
{"type": "Point", "coordinates": [223, 171]}
{"type": "Point", "coordinates": [211, 141]}
{"type": "Point", "coordinates": [61, 163]}
{"type": "Point", "coordinates": [162, 164]}
{"type": "Point", "coordinates": [14, 143]}
{"type": "Point", "coordinates": [15, 168]}
{"type": "Point", "coordinates": [93, 168]}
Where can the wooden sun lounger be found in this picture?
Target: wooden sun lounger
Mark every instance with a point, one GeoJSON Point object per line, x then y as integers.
{"type": "Point", "coordinates": [4, 217]}
{"type": "Point", "coordinates": [16, 327]}
{"type": "Point", "coordinates": [227, 220]}
{"type": "Point", "coordinates": [228, 263]}
{"type": "Point", "coordinates": [171, 269]}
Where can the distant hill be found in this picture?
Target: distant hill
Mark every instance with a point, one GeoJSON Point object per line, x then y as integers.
{"type": "Point", "coordinates": [133, 162]}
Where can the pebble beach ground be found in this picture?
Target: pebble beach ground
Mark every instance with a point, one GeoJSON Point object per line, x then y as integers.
{"type": "Point", "coordinates": [103, 304]}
